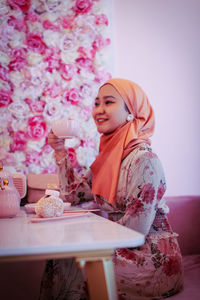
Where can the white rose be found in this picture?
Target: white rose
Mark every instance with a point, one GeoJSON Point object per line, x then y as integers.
{"type": "Point", "coordinates": [34, 58]}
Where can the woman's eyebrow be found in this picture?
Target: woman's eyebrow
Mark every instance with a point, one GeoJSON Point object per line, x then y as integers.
{"type": "Point", "coordinates": [105, 97]}
{"type": "Point", "coordinates": [109, 96]}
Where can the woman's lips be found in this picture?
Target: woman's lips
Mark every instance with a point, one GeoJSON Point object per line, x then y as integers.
{"type": "Point", "coordinates": [100, 120]}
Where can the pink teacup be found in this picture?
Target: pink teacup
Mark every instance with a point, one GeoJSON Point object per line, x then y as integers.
{"type": "Point", "coordinates": [65, 128]}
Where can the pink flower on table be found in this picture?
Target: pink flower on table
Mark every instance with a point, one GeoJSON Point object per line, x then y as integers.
{"type": "Point", "coordinates": [4, 73]}
{"type": "Point", "coordinates": [5, 98]}
{"type": "Point", "coordinates": [72, 96]}
{"type": "Point", "coordinates": [18, 24]}
{"type": "Point", "coordinates": [83, 6]}
{"type": "Point", "coordinates": [35, 106]}
{"type": "Point", "coordinates": [23, 5]}
{"type": "Point", "coordinates": [172, 266]}
{"type": "Point", "coordinates": [35, 43]}
{"type": "Point", "coordinates": [161, 191]}
{"type": "Point", "coordinates": [33, 157]}
{"type": "Point", "coordinates": [19, 141]}
{"type": "Point", "coordinates": [101, 20]}
{"type": "Point", "coordinates": [50, 26]}
{"type": "Point", "coordinates": [37, 128]}
{"type": "Point", "coordinates": [85, 63]}
{"type": "Point", "coordinates": [68, 71]}
{"type": "Point", "coordinates": [147, 193]}
{"type": "Point", "coordinates": [72, 157]}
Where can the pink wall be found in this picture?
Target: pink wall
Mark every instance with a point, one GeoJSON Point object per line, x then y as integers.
{"type": "Point", "coordinates": [157, 45]}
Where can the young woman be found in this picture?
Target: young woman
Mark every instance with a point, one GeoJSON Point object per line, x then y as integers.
{"type": "Point", "coordinates": [126, 181]}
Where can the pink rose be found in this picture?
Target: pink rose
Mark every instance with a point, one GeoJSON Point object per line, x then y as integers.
{"type": "Point", "coordinates": [33, 157]}
{"type": "Point", "coordinates": [72, 157]}
{"type": "Point", "coordinates": [67, 22]}
{"type": "Point", "coordinates": [52, 90]}
{"type": "Point", "coordinates": [72, 96]}
{"type": "Point", "coordinates": [4, 73]}
{"type": "Point", "coordinates": [19, 141]}
{"type": "Point", "coordinates": [100, 43]}
{"type": "Point", "coordinates": [35, 106]}
{"type": "Point", "coordinates": [102, 76]}
{"type": "Point", "coordinates": [5, 98]}
{"type": "Point", "coordinates": [24, 5]}
{"type": "Point", "coordinates": [32, 16]}
{"type": "Point", "coordinates": [147, 193]}
{"type": "Point", "coordinates": [161, 191]}
{"type": "Point", "coordinates": [86, 52]}
{"type": "Point", "coordinates": [50, 26]}
{"type": "Point", "coordinates": [17, 64]}
{"type": "Point", "coordinates": [82, 6]}
{"type": "Point", "coordinates": [51, 169]}
{"type": "Point", "coordinates": [85, 63]}
{"type": "Point", "coordinates": [35, 43]}
{"type": "Point", "coordinates": [47, 149]}
{"type": "Point", "coordinates": [53, 59]}
{"type": "Point", "coordinates": [88, 143]}
{"type": "Point", "coordinates": [67, 72]}
{"type": "Point", "coordinates": [18, 24]}
{"type": "Point", "coordinates": [37, 127]}
{"type": "Point", "coordinates": [101, 20]}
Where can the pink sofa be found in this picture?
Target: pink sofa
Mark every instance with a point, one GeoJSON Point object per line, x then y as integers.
{"type": "Point", "coordinates": [22, 280]}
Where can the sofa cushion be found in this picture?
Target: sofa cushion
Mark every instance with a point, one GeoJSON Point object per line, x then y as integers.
{"type": "Point", "coordinates": [184, 218]}
{"type": "Point", "coordinates": [191, 266]}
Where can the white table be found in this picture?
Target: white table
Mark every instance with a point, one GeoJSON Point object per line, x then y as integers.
{"type": "Point", "coordinates": [91, 239]}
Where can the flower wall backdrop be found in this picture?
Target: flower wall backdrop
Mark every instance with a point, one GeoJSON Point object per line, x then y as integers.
{"type": "Point", "coordinates": [53, 57]}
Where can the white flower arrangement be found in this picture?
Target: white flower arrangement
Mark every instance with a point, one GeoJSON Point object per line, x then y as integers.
{"type": "Point", "coordinates": [54, 55]}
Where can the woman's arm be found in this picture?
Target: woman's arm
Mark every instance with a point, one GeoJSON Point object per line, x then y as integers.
{"type": "Point", "coordinates": [74, 188]}
{"type": "Point", "coordinates": [145, 188]}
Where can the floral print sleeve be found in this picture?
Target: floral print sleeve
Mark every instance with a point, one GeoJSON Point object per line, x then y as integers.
{"type": "Point", "coordinates": [145, 186]}
{"type": "Point", "coordinates": [74, 187]}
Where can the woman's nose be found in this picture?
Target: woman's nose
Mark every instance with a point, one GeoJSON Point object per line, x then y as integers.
{"type": "Point", "coordinates": [100, 108]}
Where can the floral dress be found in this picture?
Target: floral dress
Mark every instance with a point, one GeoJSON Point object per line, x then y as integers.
{"type": "Point", "coordinates": [151, 271]}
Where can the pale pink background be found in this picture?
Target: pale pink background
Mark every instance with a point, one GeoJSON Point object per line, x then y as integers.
{"type": "Point", "coordinates": [157, 45]}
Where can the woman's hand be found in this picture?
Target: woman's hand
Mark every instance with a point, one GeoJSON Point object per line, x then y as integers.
{"type": "Point", "coordinates": [58, 144]}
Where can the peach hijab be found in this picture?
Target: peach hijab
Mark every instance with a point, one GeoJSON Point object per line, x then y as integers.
{"type": "Point", "coordinates": [114, 147]}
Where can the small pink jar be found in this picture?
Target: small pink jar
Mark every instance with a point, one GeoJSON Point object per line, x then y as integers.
{"type": "Point", "coordinates": [9, 196]}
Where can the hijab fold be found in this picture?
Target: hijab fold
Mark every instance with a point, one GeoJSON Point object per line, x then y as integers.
{"type": "Point", "coordinates": [114, 147]}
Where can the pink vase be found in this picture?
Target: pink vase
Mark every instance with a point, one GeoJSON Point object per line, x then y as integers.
{"type": "Point", "coordinates": [9, 196]}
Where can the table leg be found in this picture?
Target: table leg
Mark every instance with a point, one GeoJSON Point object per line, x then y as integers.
{"type": "Point", "coordinates": [100, 278]}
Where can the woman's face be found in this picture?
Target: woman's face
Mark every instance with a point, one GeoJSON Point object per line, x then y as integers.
{"type": "Point", "coordinates": [109, 110]}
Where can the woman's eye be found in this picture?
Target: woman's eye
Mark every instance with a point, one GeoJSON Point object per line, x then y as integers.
{"type": "Point", "coordinates": [109, 101]}
{"type": "Point", "coordinates": [96, 104]}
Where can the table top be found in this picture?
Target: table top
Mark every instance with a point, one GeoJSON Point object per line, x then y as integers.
{"type": "Point", "coordinates": [19, 236]}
